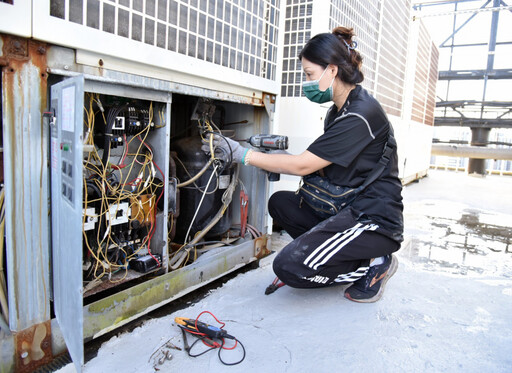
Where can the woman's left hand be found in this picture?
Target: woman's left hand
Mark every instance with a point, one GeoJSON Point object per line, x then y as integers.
{"type": "Point", "coordinates": [225, 148]}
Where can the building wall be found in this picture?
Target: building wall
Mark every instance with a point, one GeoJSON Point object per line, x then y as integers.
{"type": "Point", "coordinates": [364, 17]}
{"type": "Point", "coordinates": [297, 31]}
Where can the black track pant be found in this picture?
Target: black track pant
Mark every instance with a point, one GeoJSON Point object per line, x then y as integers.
{"type": "Point", "coordinates": [334, 251]}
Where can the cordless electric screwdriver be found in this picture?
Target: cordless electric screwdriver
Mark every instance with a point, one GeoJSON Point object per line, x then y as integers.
{"type": "Point", "coordinates": [267, 143]}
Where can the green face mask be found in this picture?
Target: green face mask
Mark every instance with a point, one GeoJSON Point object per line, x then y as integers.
{"type": "Point", "coordinates": [313, 93]}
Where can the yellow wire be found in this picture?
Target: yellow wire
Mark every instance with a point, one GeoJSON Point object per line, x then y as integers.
{"type": "Point", "coordinates": [95, 167]}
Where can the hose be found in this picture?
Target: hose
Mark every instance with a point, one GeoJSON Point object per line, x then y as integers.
{"type": "Point", "coordinates": [197, 176]}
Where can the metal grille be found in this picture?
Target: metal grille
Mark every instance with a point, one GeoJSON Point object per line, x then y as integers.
{"type": "Point", "coordinates": [423, 101]}
{"type": "Point", "coordinates": [382, 28]}
{"type": "Point", "coordinates": [297, 32]}
{"type": "Point", "coordinates": [239, 34]}
{"type": "Point", "coordinates": [432, 83]}
{"type": "Point", "coordinates": [392, 60]}
{"type": "Point", "coordinates": [363, 17]}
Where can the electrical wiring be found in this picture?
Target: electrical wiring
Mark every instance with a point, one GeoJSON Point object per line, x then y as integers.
{"type": "Point", "coordinates": [200, 202]}
{"type": "Point", "coordinates": [193, 179]}
{"type": "Point", "coordinates": [206, 125]}
{"type": "Point", "coordinates": [209, 245]}
{"type": "Point", "coordinates": [124, 181]}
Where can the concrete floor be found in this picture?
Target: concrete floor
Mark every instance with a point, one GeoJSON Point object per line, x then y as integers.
{"type": "Point", "coordinates": [447, 309]}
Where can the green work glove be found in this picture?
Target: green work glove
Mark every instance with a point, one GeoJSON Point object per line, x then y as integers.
{"type": "Point", "coordinates": [225, 148]}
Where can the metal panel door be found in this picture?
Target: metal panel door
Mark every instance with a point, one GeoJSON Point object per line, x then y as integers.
{"type": "Point", "coordinates": [67, 100]}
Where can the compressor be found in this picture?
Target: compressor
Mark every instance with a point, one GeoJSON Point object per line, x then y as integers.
{"type": "Point", "coordinates": [202, 199]}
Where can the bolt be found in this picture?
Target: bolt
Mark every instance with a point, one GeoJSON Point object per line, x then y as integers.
{"type": "Point", "coordinates": [66, 67]}
{"type": "Point", "coordinates": [41, 50]}
{"type": "Point", "coordinates": [16, 44]}
{"type": "Point", "coordinates": [100, 62]}
{"type": "Point", "coordinates": [24, 354]}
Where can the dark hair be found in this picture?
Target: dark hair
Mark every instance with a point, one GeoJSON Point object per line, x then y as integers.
{"type": "Point", "coordinates": [336, 48]}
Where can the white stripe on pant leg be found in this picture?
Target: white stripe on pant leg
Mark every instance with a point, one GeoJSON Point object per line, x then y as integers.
{"type": "Point", "coordinates": [352, 276]}
{"type": "Point", "coordinates": [346, 233]}
{"type": "Point", "coordinates": [327, 242]}
{"type": "Point", "coordinates": [356, 234]}
{"type": "Point", "coordinates": [339, 247]}
{"type": "Point", "coordinates": [347, 236]}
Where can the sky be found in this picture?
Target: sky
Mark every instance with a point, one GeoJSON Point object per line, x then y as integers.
{"type": "Point", "coordinates": [475, 31]}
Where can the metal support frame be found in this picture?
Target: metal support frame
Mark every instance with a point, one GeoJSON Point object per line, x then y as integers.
{"type": "Point", "coordinates": [473, 122]}
{"type": "Point", "coordinates": [479, 137]}
{"type": "Point", "coordinates": [475, 74]}
{"type": "Point", "coordinates": [481, 115]}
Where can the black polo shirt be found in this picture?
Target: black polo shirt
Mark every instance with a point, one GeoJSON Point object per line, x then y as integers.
{"type": "Point", "coordinates": [353, 140]}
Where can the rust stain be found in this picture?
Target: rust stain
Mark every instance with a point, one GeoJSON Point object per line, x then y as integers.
{"type": "Point", "coordinates": [255, 100]}
{"type": "Point", "coordinates": [271, 98]}
{"type": "Point", "coordinates": [33, 347]}
{"type": "Point", "coordinates": [260, 247]}
{"type": "Point", "coordinates": [24, 82]}
{"type": "Point", "coordinates": [14, 47]}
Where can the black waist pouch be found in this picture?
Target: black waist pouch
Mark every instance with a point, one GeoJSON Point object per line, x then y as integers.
{"type": "Point", "coordinates": [325, 198]}
{"type": "Point", "coordinates": [328, 199]}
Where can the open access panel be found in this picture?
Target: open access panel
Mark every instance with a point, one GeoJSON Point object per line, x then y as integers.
{"type": "Point", "coordinates": [141, 214]}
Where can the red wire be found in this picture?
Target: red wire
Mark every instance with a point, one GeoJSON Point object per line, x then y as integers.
{"type": "Point", "coordinates": [152, 231]}
{"type": "Point", "coordinates": [214, 344]}
{"type": "Point", "coordinates": [211, 314]}
{"type": "Point", "coordinates": [229, 348]}
{"type": "Point", "coordinates": [158, 168]}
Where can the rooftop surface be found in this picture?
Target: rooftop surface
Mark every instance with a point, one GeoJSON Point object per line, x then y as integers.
{"type": "Point", "coordinates": [447, 309]}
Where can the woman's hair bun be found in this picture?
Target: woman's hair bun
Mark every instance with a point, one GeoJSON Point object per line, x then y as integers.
{"type": "Point", "coordinates": [336, 48]}
{"type": "Point", "coordinates": [344, 34]}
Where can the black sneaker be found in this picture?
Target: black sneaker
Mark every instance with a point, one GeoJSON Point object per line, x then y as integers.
{"type": "Point", "coordinates": [370, 287]}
